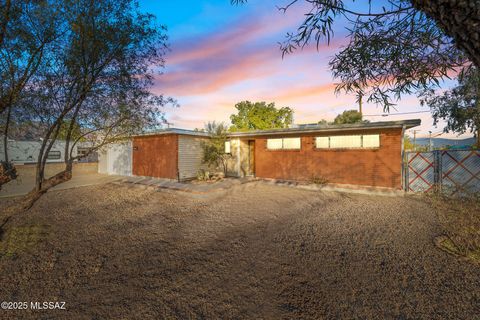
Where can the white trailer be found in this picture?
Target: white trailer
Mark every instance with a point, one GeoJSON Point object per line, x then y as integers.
{"type": "Point", "coordinates": [24, 152]}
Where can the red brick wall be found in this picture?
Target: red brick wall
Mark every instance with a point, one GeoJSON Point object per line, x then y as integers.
{"type": "Point", "coordinates": [370, 167]}
{"type": "Point", "coordinates": [156, 156]}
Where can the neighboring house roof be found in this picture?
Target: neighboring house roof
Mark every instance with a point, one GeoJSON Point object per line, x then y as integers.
{"type": "Point", "coordinates": [175, 131]}
{"type": "Point", "coordinates": [331, 128]}
{"type": "Point", "coordinates": [300, 129]}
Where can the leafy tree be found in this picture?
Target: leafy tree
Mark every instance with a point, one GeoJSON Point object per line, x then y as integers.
{"type": "Point", "coordinates": [459, 20]}
{"type": "Point", "coordinates": [407, 143]}
{"type": "Point", "coordinates": [65, 132]}
{"type": "Point", "coordinates": [260, 116]}
{"type": "Point", "coordinates": [402, 47]}
{"type": "Point", "coordinates": [26, 29]}
{"type": "Point", "coordinates": [214, 148]}
{"type": "Point", "coordinates": [97, 78]}
{"type": "Point", "coordinates": [323, 122]}
{"type": "Point", "coordinates": [348, 116]}
{"type": "Point", "coordinates": [459, 106]}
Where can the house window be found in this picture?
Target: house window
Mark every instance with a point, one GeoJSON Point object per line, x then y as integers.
{"type": "Point", "coordinates": [291, 143]}
{"type": "Point", "coordinates": [345, 141]}
{"type": "Point", "coordinates": [54, 155]}
{"type": "Point", "coordinates": [348, 142]}
{"type": "Point", "coordinates": [285, 144]}
{"type": "Point", "coordinates": [274, 144]}
{"type": "Point", "coordinates": [371, 141]}
{"type": "Point", "coordinates": [322, 142]}
{"type": "Point", "coordinates": [228, 147]}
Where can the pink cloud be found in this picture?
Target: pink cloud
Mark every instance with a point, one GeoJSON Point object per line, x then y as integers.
{"type": "Point", "coordinates": [241, 61]}
{"type": "Point", "coordinates": [235, 53]}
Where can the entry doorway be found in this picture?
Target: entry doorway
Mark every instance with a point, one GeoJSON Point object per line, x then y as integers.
{"type": "Point", "coordinates": [251, 158]}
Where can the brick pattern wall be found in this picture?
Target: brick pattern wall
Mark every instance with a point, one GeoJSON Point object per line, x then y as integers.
{"type": "Point", "coordinates": [156, 156]}
{"type": "Point", "coordinates": [369, 167]}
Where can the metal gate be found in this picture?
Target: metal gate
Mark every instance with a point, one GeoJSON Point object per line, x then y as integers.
{"type": "Point", "coordinates": [421, 172]}
{"type": "Point", "coordinates": [453, 171]}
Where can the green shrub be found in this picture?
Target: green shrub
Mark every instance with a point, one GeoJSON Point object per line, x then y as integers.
{"type": "Point", "coordinates": [203, 175]}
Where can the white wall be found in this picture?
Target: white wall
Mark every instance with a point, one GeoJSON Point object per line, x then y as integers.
{"type": "Point", "coordinates": [190, 155]}
{"type": "Point", "coordinates": [116, 159]}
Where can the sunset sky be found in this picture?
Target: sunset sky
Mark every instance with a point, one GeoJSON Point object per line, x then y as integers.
{"type": "Point", "coordinates": [223, 54]}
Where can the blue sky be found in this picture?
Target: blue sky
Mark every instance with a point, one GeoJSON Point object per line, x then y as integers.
{"type": "Point", "coordinates": [222, 54]}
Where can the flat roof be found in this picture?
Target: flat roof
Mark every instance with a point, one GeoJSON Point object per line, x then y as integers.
{"type": "Point", "coordinates": [175, 131]}
{"type": "Point", "coordinates": [332, 128]}
{"type": "Point", "coordinates": [300, 129]}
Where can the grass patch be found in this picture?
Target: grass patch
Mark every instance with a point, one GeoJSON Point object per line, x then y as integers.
{"type": "Point", "coordinates": [460, 220]}
{"type": "Point", "coordinates": [21, 239]}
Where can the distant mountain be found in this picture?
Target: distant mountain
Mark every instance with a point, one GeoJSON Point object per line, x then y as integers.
{"type": "Point", "coordinates": [442, 142]}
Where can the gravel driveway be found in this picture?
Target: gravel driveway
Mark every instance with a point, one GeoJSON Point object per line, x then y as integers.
{"type": "Point", "coordinates": [254, 252]}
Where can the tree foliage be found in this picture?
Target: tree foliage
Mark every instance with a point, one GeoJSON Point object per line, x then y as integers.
{"type": "Point", "coordinates": [459, 19]}
{"type": "Point", "coordinates": [93, 82]}
{"type": "Point", "coordinates": [69, 130]}
{"type": "Point", "coordinates": [407, 143]}
{"type": "Point", "coordinates": [348, 116]}
{"type": "Point", "coordinates": [260, 116]}
{"type": "Point", "coordinates": [214, 148]}
{"type": "Point", "coordinates": [395, 47]}
{"type": "Point", "coordinates": [459, 106]}
{"type": "Point", "coordinates": [27, 28]}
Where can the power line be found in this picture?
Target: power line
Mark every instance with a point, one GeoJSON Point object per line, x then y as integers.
{"type": "Point", "coordinates": [393, 114]}
{"type": "Point", "coordinates": [434, 134]}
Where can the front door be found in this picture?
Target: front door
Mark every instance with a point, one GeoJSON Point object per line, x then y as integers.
{"type": "Point", "coordinates": [251, 157]}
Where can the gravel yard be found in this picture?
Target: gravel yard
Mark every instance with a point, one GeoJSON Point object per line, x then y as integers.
{"type": "Point", "coordinates": [256, 251]}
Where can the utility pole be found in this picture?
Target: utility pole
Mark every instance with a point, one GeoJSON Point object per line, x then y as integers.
{"type": "Point", "coordinates": [415, 139]}
{"type": "Point", "coordinates": [430, 141]}
{"type": "Point", "coordinates": [360, 97]}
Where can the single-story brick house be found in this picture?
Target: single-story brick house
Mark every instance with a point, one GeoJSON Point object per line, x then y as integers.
{"type": "Point", "coordinates": [367, 154]}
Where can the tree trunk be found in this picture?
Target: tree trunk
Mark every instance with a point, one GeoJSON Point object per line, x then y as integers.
{"type": "Point", "coordinates": [7, 173]}
{"type": "Point", "coordinates": [460, 19]}
{"type": "Point", "coordinates": [477, 113]}
{"type": "Point", "coordinates": [47, 184]}
{"type": "Point", "coordinates": [43, 154]}
{"type": "Point", "coordinates": [7, 169]}
{"type": "Point", "coordinates": [5, 20]}
{"type": "Point", "coordinates": [478, 139]}
{"type": "Point", "coordinates": [5, 132]}
{"type": "Point", "coordinates": [30, 199]}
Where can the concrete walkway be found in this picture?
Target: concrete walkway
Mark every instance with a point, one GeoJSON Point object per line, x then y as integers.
{"type": "Point", "coordinates": [204, 188]}
{"type": "Point", "coordinates": [343, 188]}
{"type": "Point", "coordinates": [190, 187]}
{"type": "Point", "coordinates": [22, 186]}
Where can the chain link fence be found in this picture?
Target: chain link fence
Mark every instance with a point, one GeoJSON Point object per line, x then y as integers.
{"type": "Point", "coordinates": [452, 171]}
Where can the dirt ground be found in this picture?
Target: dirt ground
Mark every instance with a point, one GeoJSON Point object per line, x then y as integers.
{"type": "Point", "coordinates": [83, 174]}
{"type": "Point", "coordinates": [254, 252]}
